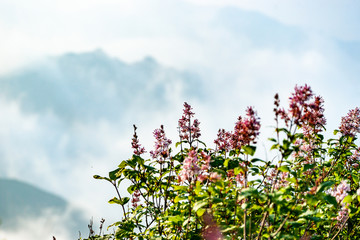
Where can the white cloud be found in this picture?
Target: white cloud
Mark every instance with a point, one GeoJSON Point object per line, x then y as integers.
{"type": "Point", "coordinates": [48, 224]}
{"type": "Point", "coordinates": [338, 19]}
{"type": "Point", "coordinates": [237, 72]}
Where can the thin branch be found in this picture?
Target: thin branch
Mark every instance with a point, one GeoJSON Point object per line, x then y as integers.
{"type": "Point", "coordinates": [342, 226]}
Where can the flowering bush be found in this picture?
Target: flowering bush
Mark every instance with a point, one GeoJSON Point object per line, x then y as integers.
{"type": "Point", "coordinates": [310, 191]}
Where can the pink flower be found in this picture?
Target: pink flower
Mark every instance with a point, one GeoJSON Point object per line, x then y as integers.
{"type": "Point", "coordinates": [189, 130]}
{"type": "Point", "coordinates": [223, 140]}
{"type": "Point", "coordinates": [240, 178]}
{"type": "Point", "coordinates": [202, 177]}
{"type": "Point", "coordinates": [353, 160]}
{"type": "Point", "coordinates": [281, 181]}
{"type": "Point", "coordinates": [138, 150]}
{"type": "Point", "coordinates": [340, 192]}
{"type": "Point", "coordinates": [135, 198]}
{"type": "Point", "coordinates": [245, 132]}
{"type": "Point", "coordinates": [195, 167]}
{"type": "Point", "coordinates": [304, 109]}
{"type": "Point", "coordinates": [190, 168]}
{"type": "Point", "coordinates": [350, 125]}
{"type": "Point", "coordinates": [214, 176]}
{"type": "Point", "coordinates": [162, 144]}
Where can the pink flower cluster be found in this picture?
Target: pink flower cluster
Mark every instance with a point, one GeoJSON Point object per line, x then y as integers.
{"type": "Point", "coordinates": [245, 132]}
{"type": "Point", "coordinates": [138, 150]}
{"type": "Point", "coordinates": [240, 178]}
{"type": "Point", "coordinates": [305, 153]}
{"type": "Point", "coordinates": [135, 198]}
{"type": "Point", "coordinates": [223, 140]}
{"type": "Point", "coordinates": [281, 181]}
{"type": "Point", "coordinates": [189, 131]}
{"type": "Point", "coordinates": [162, 144]}
{"type": "Point", "coordinates": [195, 168]}
{"type": "Point", "coordinates": [354, 159]}
{"type": "Point", "coordinates": [350, 125]}
{"type": "Point", "coordinates": [340, 192]}
{"type": "Point", "coordinates": [304, 109]}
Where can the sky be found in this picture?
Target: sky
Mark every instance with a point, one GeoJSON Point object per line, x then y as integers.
{"type": "Point", "coordinates": [220, 56]}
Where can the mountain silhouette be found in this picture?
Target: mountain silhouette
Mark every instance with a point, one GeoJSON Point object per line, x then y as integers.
{"type": "Point", "coordinates": [89, 86]}
{"type": "Point", "coordinates": [20, 200]}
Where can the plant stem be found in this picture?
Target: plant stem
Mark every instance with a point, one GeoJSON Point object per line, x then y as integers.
{"type": "Point", "coordinates": [117, 191]}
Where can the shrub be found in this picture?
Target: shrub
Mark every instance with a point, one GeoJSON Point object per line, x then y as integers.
{"type": "Point", "coordinates": [310, 191]}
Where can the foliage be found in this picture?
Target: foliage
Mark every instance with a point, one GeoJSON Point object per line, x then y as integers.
{"type": "Point", "coordinates": [310, 191]}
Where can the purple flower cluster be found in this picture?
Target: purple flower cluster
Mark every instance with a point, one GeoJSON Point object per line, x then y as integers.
{"type": "Point", "coordinates": [350, 125]}
{"type": "Point", "coordinates": [189, 131]}
{"type": "Point", "coordinates": [304, 109]}
{"type": "Point", "coordinates": [138, 150]}
{"type": "Point", "coordinates": [245, 132]}
{"type": "Point", "coordinates": [340, 192]}
{"type": "Point", "coordinates": [162, 144]}
{"type": "Point", "coordinates": [195, 168]}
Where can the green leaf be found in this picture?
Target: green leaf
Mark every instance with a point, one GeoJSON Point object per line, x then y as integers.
{"type": "Point", "coordinates": [255, 170]}
{"type": "Point", "coordinates": [139, 160]}
{"type": "Point", "coordinates": [284, 168]}
{"type": "Point", "coordinates": [330, 199]}
{"type": "Point", "coordinates": [309, 166]}
{"type": "Point", "coordinates": [272, 139]}
{"type": "Point", "coordinates": [201, 142]}
{"type": "Point", "coordinates": [200, 212]}
{"type": "Point", "coordinates": [254, 160]}
{"type": "Point", "coordinates": [198, 187]}
{"type": "Point", "coordinates": [123, 201]}
{"type": "Point", "coordinates": [123, 164]}
{"type": "Point", "coordinates": [99, 177]}
{"type": "Point", "coordinates": [250, 150]}
{"type": "Point", "coordinates": [347, 199]}
{"type": "Point", "coordinates": [226, 162]}
{"type": "Point", "coordinates": [355, 178]}
{"type": "Point", "coordinates": [238, 170]}
{"type": "Point", "coordinates": [181, 188]}
{"type": "Point", "coordinates": [199, 205]}
{"type": "Point", "coordinates": [131, 189]}
{"type": "Point", "coordinates": [324, 185]}
{"type": "Point", "coordinates": [246, 192]}
{"type": "Point", "coordinates": [308, 213]}
{"type": "Point", "coordinates": [175, 219]}
{"type": "Point", "coordinates": [292, 180]}
{"type": "Point", "coordinates": [113, 174]}
{"type": "Point", "coordinates": [275, 146]}
{"type": "Point", "coordinates": [179, 198]}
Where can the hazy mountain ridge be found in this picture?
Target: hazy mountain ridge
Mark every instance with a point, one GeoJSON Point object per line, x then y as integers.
{"type": "Point", "coordinates": [92, 85]}
{"type": "Point", "coordinates": [19, 198]}
{"type": "Point", "coordinates": [20, 201]}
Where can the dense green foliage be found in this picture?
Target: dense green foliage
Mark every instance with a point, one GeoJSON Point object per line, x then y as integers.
{"type": "Point", "coordinates": [309, 191]}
